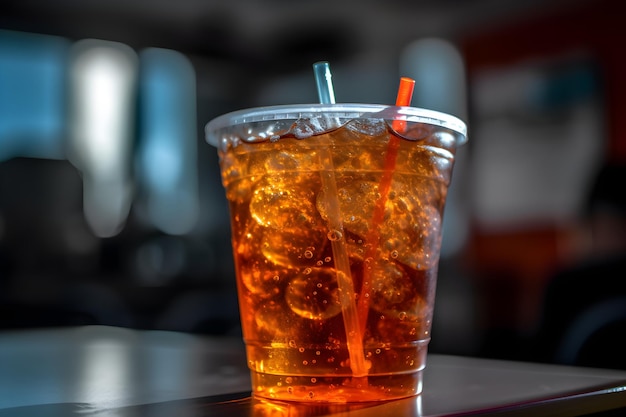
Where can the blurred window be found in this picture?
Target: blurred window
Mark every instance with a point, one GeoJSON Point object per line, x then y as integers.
{"type": "Point", "coordinates": [167, 148]}
{"type": "Point", "coordinates": [32, 95]}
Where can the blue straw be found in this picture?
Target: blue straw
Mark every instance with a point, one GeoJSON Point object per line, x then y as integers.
{"type": "Point", "coordinates": [354, 334]}
{"type": "Point", "coordinates": [324, 82]}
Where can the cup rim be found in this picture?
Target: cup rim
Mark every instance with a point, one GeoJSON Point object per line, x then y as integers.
{"type": "Point", "coordinates": [342, 110]}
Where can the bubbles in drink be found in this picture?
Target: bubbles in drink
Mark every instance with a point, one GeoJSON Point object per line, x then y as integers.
{"type": "Point", "coordinates": [356, 205]}
{"type": "Point", "coordinates": [237, 184]}
{"type": "Point", "coordinates": [429, 162]}
{"type": "Point", "coordinates": [292, 248]}
{"type": "Point", "coordinates": [393, 290]}
{"type": "Point", "coordinates": [313, 294]}
{"type": "Point", "coordinates": [399, 299]}
{"type": "Point", "coordinates": [353, 155]}
{"type": "Point", "coordinates": [253, 272]}
{"type": "Point", "coordinates": [405, 326]}
{"type": "Point", "coordinates": [413, 233]}
{"type": "Point", "coordinates": [280, 203]}
{"type": "Point", "coordinates": [264, 282]}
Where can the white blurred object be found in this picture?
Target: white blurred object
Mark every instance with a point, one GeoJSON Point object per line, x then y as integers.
{"type": "Point", "coordinates": [539, 135]}
{"type": "Point", "coordinates": [439, 72]}
{"type": "Point", "coordinates": [103, 78]}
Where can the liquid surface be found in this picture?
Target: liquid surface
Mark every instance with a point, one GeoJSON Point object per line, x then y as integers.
{"type": "Point", "coordinates": [285, 243]}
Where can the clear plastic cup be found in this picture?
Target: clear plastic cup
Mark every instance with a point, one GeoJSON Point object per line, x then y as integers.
{"type": "Point", "coordinates": [336, 215]}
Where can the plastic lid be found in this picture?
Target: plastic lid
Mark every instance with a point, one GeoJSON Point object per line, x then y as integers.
{"type": "Point", "coordinates": [342, 111]}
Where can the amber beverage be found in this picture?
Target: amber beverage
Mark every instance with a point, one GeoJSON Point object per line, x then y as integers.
{"type": "Point", "coordinates": [336, 215]}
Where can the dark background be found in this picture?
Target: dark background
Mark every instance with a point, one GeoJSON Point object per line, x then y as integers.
{"type": "Point", "coordinates": [547, 76]}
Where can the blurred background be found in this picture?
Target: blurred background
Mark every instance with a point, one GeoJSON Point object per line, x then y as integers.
{"type": "Point", "coordinates": [111, 206]}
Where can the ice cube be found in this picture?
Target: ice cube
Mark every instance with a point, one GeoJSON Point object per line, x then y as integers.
{"type": "Point", "coordinates": [271, 320]}
{"type": "Point", "coordinates": [238, 191]}
{"type": "Point", "coordinates": [262, 281]}
{"type": "Point", "coordinates": [258, 132]}
{"type": "Point", "coordinates": [285, 201]}
{"type": "Point", "coordinates": [313, 294]}
{"type": "Point", "coordinates": [281, 162]}
{"type": "Point", "coordinates": [356, 204]}
{"type": "Point", "coordinates": [306, 127]}
{"type": "Point", "coordinates": [237, 184]}
{"type": "Point", "coordinates": [395, 292]}
{"type": "Point", "coordinates": [293, 247]}
{"type": "Point", "coordinates": [261, 278]}
{"type": "Point", "coordinates": [428, 162]}
{"type": "Point", "coordinates": [369, 127]}
{"type": "Point", "coordinates": [411, 232]}
{"type": "Point", "coordinates": [399, 327]}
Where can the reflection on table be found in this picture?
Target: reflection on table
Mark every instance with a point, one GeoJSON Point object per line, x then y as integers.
{"type": "Point", "coordinates": [108, 371]}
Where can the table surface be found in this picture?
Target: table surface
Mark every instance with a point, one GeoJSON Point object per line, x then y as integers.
{"type": "Point", "coordinates": [108, 371]}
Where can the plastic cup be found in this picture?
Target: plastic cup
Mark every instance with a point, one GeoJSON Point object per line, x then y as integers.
{"type": "Point", "coordinates": [336, 244]}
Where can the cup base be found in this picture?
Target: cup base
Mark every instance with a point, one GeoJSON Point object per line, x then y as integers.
{"type": "Point", "coordinates": [340, 389]}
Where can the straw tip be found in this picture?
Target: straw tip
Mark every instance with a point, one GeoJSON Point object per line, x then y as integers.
{"type": "Point", "coordinates": [323, 81]}
{"type": "Point", "coordinates": [405, 91]}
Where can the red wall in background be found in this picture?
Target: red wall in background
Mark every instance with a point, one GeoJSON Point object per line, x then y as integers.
{"type": "Point", "coordinates": [511, 267]}
{"type": "Point", "coordinates": [597, 27]}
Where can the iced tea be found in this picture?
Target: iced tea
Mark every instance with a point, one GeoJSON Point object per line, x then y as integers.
{"type": "Point", "coordinates": [292, 303]}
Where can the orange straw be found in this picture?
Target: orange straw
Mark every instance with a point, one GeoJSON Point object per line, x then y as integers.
{"type": "Point", "coordinates": [405, 93]}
